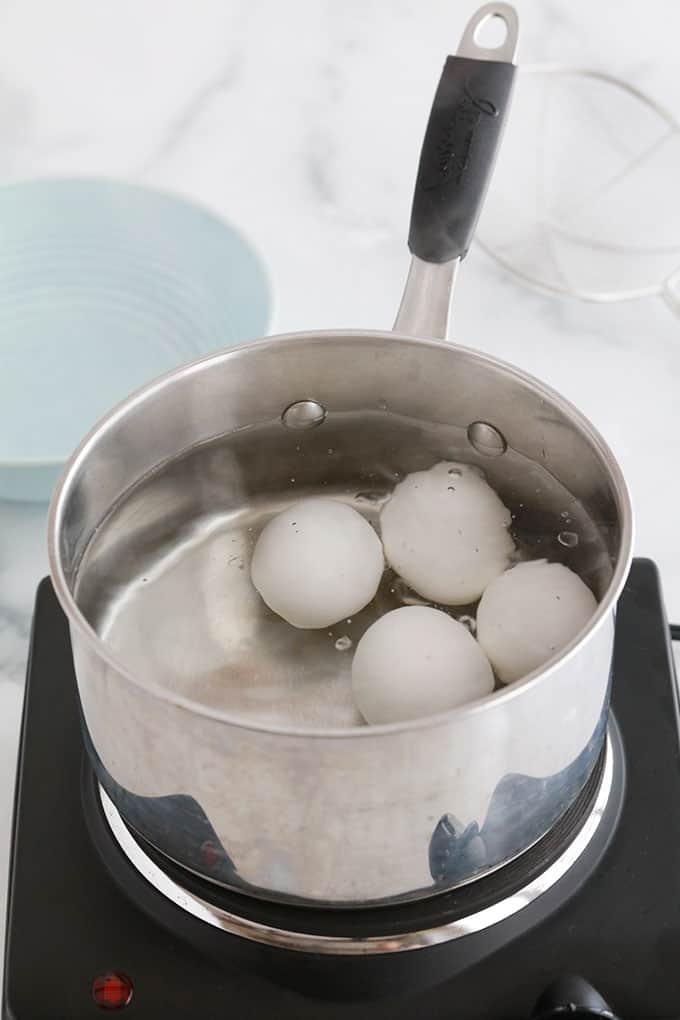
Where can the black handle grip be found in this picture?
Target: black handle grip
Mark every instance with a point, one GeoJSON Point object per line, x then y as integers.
{"type": "Point", "coordinates": [458, 155]}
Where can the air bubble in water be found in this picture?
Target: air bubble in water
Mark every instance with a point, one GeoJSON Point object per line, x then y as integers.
{"type": "Point", "coordinates": [469, 622]}
{"type": "Point", "coordinates": [343, 643]}
{"type": "Point", "coordinates": [369, 497]}
{"type": "Point", "coordinates": [455, 472]}
{"type": "Point", "coordinates": [568, 539]}
{"type": "Point", "coordinates": [406, 595]}
{"type": "Point", "coordinates": [486, 439]}
{"type": "Point", "coordinates": [382, 405]}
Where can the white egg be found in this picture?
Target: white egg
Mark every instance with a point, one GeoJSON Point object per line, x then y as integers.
{"type": "Point", "coordinates": [529, 613]}
{"type": "Point", "coordinates": [317, 562]}
{"type": "Point", "coordinates": [445, 531]}
{"type": "Point", "coordinates": [416, 661]}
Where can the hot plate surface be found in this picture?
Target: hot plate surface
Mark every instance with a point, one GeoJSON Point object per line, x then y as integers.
{"type": "Point", "coordinates": [70, 922]}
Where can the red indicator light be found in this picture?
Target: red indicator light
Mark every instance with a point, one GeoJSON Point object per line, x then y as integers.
{"type": "Point", "coordinates": [112, 990]}
{"type": "Point", "coordinates": [210, 855]}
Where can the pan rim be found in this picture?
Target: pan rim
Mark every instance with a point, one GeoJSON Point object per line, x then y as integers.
{"type": "Point", "coordinates": [487, 703]}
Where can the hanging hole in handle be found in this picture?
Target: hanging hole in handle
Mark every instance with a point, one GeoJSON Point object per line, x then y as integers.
{"type": "Point", "coordinates": [498, 25]}
{"type": "Point", "coordinates": [492, 32]}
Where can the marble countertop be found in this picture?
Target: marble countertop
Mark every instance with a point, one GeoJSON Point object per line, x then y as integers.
{"type": "Point", "coordinates": [301, 123]}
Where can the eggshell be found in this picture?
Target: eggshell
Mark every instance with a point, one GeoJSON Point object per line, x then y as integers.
{"type": "Point", "coordinates": [530, 613]}
{"type": "Point", "coordinates": [445, 531]}
{"type": "Point", "coordinates": [416, 661]}
{"type": "Point", "coordinates": [317, 562]}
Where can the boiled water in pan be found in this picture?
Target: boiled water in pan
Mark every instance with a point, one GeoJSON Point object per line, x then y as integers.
{"type": "Point", "coordinates": [166, 579]}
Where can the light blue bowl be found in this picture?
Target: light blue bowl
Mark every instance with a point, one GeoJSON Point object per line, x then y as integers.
{"type": "Point", "coordinates": [103, 286]}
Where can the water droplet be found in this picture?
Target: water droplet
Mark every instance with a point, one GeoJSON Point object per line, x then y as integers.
{"type": "Point", "coordinates": [250, 529]}
{"type": "Point", "coordinates": [292, 481]}
{"type": "Point", "coordinates": [455, 472]}
{"type": "Point", "coordinates": [330, 451]}
{"type": "Point", "coordinates": [237, 560]}
{"type": "Point", "coordinates": [451, 488]}
{"type": "Point", "coordinates": [565, 514]}
{"type": "Point", "coordinates": [469, 622]}
{"type": "Point", "coordinates": [382, 405]}
{"type": "Point", "coordinates": [349, 619]}
{"type": "Point", "coordinates": [330, 633]}
{"type": "Point", "coordinates": [343, 643]}
{"type": "Point", "coordinates": [298, 448]}
{"type": "Point", "coordinates": [568, 538]}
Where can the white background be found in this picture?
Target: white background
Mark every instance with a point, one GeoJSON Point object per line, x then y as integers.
{"type": "Point", "coordinates": [301, 122]}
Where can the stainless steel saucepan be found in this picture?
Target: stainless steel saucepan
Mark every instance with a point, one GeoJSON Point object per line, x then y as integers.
{"type": "Point", "coordinates": [227, 739]}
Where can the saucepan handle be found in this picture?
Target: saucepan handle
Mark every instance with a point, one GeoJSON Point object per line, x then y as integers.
{"type": "Point", "coordinates": [456, 163]}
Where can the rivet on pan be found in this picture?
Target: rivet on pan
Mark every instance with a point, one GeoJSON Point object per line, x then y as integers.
{"type": "Point", "coordinates": [486, 439]}
{"type": "Point", "coordinates": [304, 414]}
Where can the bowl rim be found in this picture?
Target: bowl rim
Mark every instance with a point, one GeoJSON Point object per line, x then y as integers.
{"type": "Point", "coordinates": [175, 198]}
